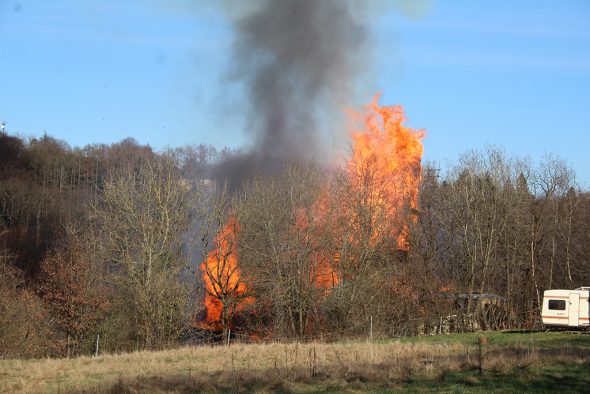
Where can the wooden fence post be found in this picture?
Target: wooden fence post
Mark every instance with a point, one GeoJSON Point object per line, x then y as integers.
{"type": "Point", "coordinates": [482, 342]}
{"type": "Point", "coordinates": [97, 345]}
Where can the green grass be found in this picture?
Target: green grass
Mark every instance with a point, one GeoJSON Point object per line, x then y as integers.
{"type": "Point", "coordinates": [565, 378]}
{"type": "Point", "coordinates": [541, 340]}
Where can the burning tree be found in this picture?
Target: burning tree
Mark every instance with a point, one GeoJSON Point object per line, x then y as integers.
{"type": "Point", "coordinates": [305, 238]}
{"type": "Point", "coordinates": [225, 291]}
{"type": "Point", "coordinates": [281, 245]}
{"type": "Point", "coordinates": [375, 198]}
{"type": "Point", "coordinates": [386, 165]}
{"type": "Point", "coordinates": [223, 284]}
{"type": "Point", "coordinates": [371, 207]}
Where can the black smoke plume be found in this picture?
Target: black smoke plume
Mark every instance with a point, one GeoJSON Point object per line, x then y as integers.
{"type": "Point", "coordinates": [297, 61]}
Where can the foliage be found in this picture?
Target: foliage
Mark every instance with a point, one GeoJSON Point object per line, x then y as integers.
{"type": "Point", "coordinates": [71, 293]}
{"type": "Point", "coordinates": [24, 326]}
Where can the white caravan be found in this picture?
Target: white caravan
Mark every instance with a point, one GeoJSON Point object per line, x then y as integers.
{"type": "Point", "coordinates": [566, 308]}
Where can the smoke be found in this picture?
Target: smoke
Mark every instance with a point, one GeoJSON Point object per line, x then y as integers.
{"type": "Point", "coordinates": [296, 61]}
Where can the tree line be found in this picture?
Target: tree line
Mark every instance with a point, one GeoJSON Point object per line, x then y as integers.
{"type": "Point", "coordinates": [108, 239]}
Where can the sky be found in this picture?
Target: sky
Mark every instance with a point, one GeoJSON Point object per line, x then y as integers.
{"type": "Point", "coordinates": [513, 74]}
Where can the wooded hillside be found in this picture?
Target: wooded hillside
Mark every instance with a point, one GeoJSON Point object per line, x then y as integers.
{"type": "Point", "coordinates": [109, 239]}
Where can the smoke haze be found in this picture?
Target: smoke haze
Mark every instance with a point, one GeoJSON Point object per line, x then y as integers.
{"type": "Point", "coordinates": [297, 61]}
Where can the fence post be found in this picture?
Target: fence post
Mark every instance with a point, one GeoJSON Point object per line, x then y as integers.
{"type": "Point", "coordinates": [482, 342]}
{"type": "Point", "coordinates": [371, 328]}
{"type": "Point", "coordinates": [97, 345]}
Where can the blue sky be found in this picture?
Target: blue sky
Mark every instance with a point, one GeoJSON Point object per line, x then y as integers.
{"type": "Point", "coordinates": [510, 73]}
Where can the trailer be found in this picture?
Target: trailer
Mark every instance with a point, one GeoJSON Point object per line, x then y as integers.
{"type": "Point", "coordinates": [566, 308]}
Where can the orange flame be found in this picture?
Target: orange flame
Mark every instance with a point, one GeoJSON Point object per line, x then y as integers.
{"type": "Point", "coordinates": [321, 274]}
{"type": "Point", "coordinates": [222, 276]}
{"type": "Point", "coordinates": [396, 152]}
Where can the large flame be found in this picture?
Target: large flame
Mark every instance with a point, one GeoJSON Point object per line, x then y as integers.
{"type": "Point", "coordinates": [395, 152]}
{"type": "Point", "coordinates": [222, 276]}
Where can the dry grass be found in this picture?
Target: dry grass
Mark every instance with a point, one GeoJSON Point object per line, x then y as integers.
{"type": "Point", "coordinates": [266, 367]}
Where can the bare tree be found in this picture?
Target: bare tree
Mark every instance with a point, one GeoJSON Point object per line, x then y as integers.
{"type": "Point", "coordinates": [141, 216]}
{"type": "Point", "coordinates": [478, 198]}
{"type": "Point", "coordinates": [280, 249]}
{"type": "Point", "coordinates": [553, 181]}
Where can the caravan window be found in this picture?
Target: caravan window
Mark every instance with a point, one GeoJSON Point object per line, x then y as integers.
{"type": "Point", "coordinates": [557, 305]}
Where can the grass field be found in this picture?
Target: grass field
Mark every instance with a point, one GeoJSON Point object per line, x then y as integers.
{"type": "Point", "coordinates": [512, 362]}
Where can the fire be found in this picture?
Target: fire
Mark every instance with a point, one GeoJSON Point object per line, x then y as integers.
{"type": "Point", "coordinates": [392, 151]}
{"type": "Point", "coordinates": [395, 151]}
{"type": "Point", "coordinates": [321, 274]}
{"type": "Point", "coordinates": [225, 291]}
